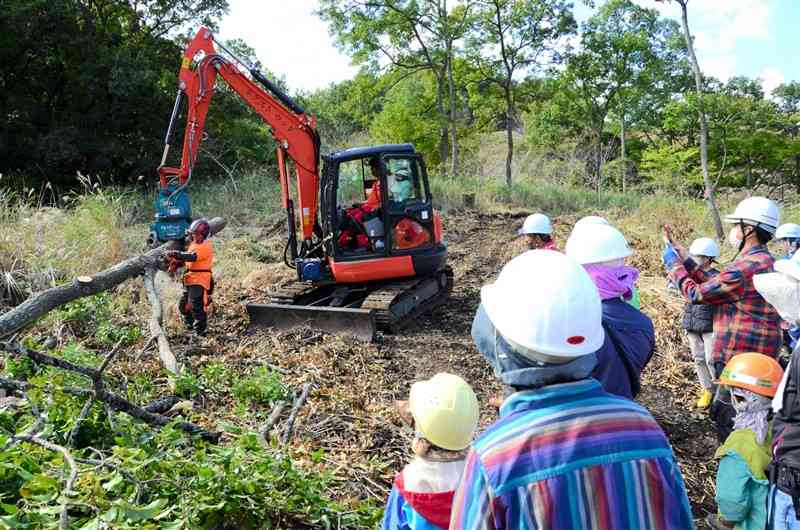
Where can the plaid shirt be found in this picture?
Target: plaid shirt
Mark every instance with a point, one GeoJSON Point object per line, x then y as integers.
{"type": "Point", "coordinates": [743, 320]}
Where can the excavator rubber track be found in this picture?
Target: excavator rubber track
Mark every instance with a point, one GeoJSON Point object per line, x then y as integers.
{"type": "Point", "coordinates": [352, 310]}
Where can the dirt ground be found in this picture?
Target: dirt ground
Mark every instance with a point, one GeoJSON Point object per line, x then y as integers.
{"type": "Point", "coordinates": [349, 415]}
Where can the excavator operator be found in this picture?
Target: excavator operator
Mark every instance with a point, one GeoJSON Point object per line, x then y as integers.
{"type": "Point", "coordinates": [353, 232]}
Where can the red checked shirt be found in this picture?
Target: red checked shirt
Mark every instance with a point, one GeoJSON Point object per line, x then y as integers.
{"type": "Point", "coordinates": [743, 320]}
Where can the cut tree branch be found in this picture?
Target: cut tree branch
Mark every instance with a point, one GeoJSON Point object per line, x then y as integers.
{"type": "Point", "coordinates": [101, 394]}
{"type": "Point", "coordinates": [298, 403]}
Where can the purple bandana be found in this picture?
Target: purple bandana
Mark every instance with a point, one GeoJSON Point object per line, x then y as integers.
{"type": "Point", "coordinates": [613, 282]}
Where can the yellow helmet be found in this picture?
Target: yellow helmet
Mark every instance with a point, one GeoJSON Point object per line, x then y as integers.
{"type": "Point", "coordinates": [445, 411]}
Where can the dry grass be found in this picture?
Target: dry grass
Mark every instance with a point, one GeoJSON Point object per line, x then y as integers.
{"type": "Point", "coordinates": [39, 246]}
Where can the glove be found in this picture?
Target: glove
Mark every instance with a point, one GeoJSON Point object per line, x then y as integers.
{"type": "Point", "coordinates": [669, 256]}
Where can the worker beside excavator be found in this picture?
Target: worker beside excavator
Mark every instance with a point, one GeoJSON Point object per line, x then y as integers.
{"type": "Point", "coordinates": [564, 454]}
{"type": "Point", "coordinates": [743, 321]}
{"type": "Point", "coordinates": [538, 232]}
{"type": "Point", "coordinates": [198, 280]}
{"type": "Point", "coordinates": [629, 334]}
{"type": "Point", "coordinates": [443, 414]}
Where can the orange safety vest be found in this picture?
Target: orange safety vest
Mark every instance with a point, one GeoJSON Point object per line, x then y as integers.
{"type": "Point", "coordinates": [373, 201]}
{"type": "Point", "coordinates": [198, 272]}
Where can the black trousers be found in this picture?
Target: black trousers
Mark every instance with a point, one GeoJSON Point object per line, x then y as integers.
{"type": "Point", "coordinates": [193, 308]}
{"type": "Point", "coordinates": [721, 410]}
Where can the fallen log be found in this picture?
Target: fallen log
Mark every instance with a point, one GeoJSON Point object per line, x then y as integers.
{"type": "Point", "coordinates": [45, 301]}
{"type": "Point", "coordinates": [156, 331]}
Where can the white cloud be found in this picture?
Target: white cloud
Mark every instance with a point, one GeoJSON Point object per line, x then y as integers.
{"type": "Point", "coordinates": [289, 40]}
{"type": "Point", "coordinates": [771, 77]}
{"type": "Point", "coordinates": [723, 67]}
{"type": "Point", "coordinates": [718, 26]}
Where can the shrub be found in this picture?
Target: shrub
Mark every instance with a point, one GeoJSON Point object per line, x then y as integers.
{"type": "Point", "coordinates": [263, 387]}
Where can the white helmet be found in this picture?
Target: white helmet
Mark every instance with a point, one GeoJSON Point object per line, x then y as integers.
{"type": "Point", "coordinates": [591, 219]}
{"type": "Point", "coordinates": [545, 303]}
{"type": "Point", "coordinates": [704, 246]}
{"type": "Point", "coordinates": [757, 211]}
{"type": "Point", "coordinates": [596, 243]}
{"type": "Point", "coordinates": [781, 289]}
{"type": "Point", "coordinates": [788, 231]}
{"type": "Point", "coordinates": [445, 411]}
{"type": "Point", "coordinates": [537, 223]}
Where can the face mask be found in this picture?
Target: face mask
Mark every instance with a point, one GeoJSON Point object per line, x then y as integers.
{"type": "Point", "coordinates": [733, 238]}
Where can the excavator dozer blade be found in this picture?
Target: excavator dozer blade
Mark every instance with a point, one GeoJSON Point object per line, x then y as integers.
{"type": "Point", "coordinates": [358, 323]}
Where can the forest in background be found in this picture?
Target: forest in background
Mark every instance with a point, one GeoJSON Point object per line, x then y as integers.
{"type": "Point", "coordinates": [608, 102]}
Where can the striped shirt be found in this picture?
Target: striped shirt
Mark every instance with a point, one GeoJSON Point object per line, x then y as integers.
{"type": "Point", "coordinates": [743, 321]}
{"type": "Point", "coordinates": [571, 457]}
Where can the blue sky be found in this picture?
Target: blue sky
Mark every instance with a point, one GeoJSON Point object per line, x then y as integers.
{"type": "Point", "coordinates": [755, 38]}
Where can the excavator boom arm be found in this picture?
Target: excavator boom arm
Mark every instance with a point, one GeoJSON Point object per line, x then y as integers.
{"type": "Point", "coordinates": [293, 129]}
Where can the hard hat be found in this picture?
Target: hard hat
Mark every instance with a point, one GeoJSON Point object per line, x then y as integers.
{"type": "Point", "coordinates": [445, 411]}
{"type": "Point", "coordinates": [704, 246]}
{"type": "Point", "coordinates": [781, 289]}
{"type": "Point", "coordinates": [403, 172]}
{"type": "Point", "coordinates": [537, 223]}
{"type": "Point", "coordinates": [788, 231]}
{"type": "Point", "coordinates": [596, 243]}
{"type": "Point", "coordinates": [757, 211]}
{"type": "Point", "coordinates": [544, 302]}
{"type": "Point", "coordinates": [591, 219]}
{"type": "Point", "coordinates": [200, 226]}
{"type": "Point", "coordinates": [755, 372]}
{"type": "Point", "coordinates": [789, 267]}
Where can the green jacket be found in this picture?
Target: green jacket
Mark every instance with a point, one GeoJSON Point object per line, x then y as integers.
{"type": "Point", "coordinates": [742, 484]}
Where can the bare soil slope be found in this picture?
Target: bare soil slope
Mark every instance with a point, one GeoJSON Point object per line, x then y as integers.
{"type": "Point", "coordinates": [349, 415]}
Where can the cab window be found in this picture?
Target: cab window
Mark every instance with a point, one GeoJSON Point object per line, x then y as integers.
{"type": "Point", "coordinates": [403, 181]}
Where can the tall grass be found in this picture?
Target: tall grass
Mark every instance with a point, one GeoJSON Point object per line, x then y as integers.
{"type": "Point", "coordinates": [525, 194]}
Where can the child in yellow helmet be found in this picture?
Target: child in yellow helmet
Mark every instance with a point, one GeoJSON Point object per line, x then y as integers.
{"type": "Point", "coordinates": [443, 412]}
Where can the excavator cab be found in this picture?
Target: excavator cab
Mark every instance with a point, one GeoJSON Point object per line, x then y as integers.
{"type": "Point", "coordinates": [384, 259]}
{"type": "Point", "coordinates": [380, 203]}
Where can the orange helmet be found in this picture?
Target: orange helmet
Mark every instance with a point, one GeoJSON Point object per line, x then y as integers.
{"type": "Point", "coordinates": [755, 372]}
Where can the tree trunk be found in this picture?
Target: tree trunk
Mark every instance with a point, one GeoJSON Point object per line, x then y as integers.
{"type": "Point", "coordinates": [622, 150]}
{"type": "Point", "coordinates": [698, 80]}
{"type": "Point", "coordinates": [599, 157]}
{"type": "Point", "coordinates": [509, 134]}
{"type": "Point", "coordinates": [42, 303]}
{"type": "Point", "coordinates": [444, 148]}
{"type": "Point", "coordinates": [453, 136]}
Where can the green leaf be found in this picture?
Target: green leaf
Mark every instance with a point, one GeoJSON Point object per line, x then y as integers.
{"type": "Point", "coordinates": [147, 512]}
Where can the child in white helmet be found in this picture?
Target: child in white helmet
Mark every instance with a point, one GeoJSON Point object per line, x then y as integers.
{"type": "Point", "coordinates": [698, 321]}
{"type": "Point", "coordinates": [788, 235]}
{"type": "Point", "coordinates": [538, 232]}
{"type": "Point", "coordinates": [443, 411]}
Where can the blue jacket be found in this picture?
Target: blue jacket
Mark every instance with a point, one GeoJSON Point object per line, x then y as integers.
{"type": "Point", "coordinates": [629, 345]}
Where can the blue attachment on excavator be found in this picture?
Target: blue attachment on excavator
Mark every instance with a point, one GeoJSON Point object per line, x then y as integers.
{"type": "Point", "coordinates": [173, 214]}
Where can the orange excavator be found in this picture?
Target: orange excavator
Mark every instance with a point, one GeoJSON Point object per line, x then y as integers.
{"type": "Point", "coordinates": [362, 233]}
